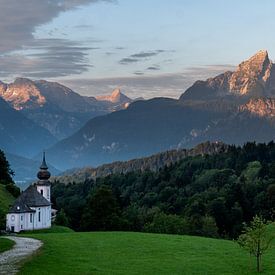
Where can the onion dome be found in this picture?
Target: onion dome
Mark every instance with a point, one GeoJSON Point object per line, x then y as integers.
{"type": "Point", "coordinates": [43, 174]}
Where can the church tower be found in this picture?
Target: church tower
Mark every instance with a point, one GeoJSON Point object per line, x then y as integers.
{"type": "Point", "coordinates": [43, 184]}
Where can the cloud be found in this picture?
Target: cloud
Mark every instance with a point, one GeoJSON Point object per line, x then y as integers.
{"type": "Point", "coordinates": [128, 60]}
{"type": "Point", "coordinates": [47, 58]}
{"type": "Point", "coordinates": [148, 86]}
{"type": "Point", "coordinates": [145, 54]}
{"type": "Point", "coordinates": [153, 68]}
{"type": "Point", "coordinates": [18, 22]}
{"type": "Point", "coordinates": [139, 57]}
{"type": "Point", "coordinates": [138, 73]}
{"type": "Point", "coordinates": [18, 19]}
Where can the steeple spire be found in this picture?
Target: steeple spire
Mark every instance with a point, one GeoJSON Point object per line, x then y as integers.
{"type": "Point", "coordinates": [43, 165]}
{"type": "Point", "coordinates": [43, 174]}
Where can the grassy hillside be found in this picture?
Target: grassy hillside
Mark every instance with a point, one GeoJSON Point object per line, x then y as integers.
{"type": "Point", "coordinates": [5, 244]}
{"type": "Point", "coordinates": [53, 229]}
{"type": "Point", "coordinates": [140, 253]}
{"type": "Point", "coordinates": [6, 198]}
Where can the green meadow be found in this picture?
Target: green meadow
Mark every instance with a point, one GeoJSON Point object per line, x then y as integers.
{"type": "Point", "coordinates": [5, 244]}
{"type": "Point", "coordinates": [140, 253]}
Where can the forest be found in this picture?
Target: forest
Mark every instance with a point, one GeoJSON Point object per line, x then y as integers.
{"type": "Point", "coordinates": [8, 189]}
{"type": "Point", "coordinates": [207, 195]}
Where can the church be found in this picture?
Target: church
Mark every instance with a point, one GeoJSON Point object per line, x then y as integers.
{"type": "Point", "coordinates": [32, 209]}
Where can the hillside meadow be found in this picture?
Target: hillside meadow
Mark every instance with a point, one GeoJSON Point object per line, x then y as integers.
{"type": "Point", "coordinates": [140, 253]}
{"type": "Point", "coordinates": [5, 244]}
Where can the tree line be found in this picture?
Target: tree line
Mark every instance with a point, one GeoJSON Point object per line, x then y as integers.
{"type": "Point", "coordinates": [209, 195]}
{"type": "Point", "coordinates": [6, 180]}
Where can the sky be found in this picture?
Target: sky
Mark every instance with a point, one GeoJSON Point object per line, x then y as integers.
{"type": "Point", "coordinates": [147, 48]}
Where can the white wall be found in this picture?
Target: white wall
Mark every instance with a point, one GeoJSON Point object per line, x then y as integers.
{"type": "Point", "coordinates": [45, 217]}
{"type": "Point", "coordinates": [46, 190]}
{"type": "Point", "coordinates": [22, 221]}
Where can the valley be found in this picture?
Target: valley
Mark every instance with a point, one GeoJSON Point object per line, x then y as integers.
{"type": "Point", "coordinates": [234, 107]}
{"type": "Point", "coordinates": [137, 137]}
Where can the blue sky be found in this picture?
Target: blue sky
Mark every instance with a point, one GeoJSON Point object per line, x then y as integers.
{"type": "Point", "coordinates": [94, 46]}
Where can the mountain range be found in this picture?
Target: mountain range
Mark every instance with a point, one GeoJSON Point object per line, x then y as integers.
{"type": "Point", "coordinates": [234, 107]}
{"type": "Point", "coordinates": [55, 107]}
{"type": "Point", "coordinates": [36, 114]}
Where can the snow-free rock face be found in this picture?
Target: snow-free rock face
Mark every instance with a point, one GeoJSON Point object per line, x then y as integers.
{"type": "Point", "coordinates": [116, 97]}
{"type": "Point", "coordinates": [22, 93]}
{"type": "Point", "coordinates": [254, 77]}
{"type": "Point", "coordinates": [25, 94]}
{"type": "Point", "coordinates": [263, 107]}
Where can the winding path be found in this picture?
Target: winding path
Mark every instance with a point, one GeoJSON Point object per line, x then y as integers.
{"type": "Point", "coordinates": [23, 248]}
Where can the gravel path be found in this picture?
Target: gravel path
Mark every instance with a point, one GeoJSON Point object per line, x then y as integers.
{"type": "Point", "coordinates": [23, 248]}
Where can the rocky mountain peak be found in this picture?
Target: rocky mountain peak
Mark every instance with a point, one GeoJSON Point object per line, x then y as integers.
{"type": "Point", "coordinates": [22, 93]}
{"type": "Point", "coordinates": [116, 97]}
{"type": "Point", "coordinates": [253, 78]}
{"type": "Point", "coordinates": [252, 75]}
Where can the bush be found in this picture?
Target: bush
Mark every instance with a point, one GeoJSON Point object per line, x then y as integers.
{"type": "Point", "coordinates": [61, 218]}
{"type": "Point", "coordinates": [167, 224]}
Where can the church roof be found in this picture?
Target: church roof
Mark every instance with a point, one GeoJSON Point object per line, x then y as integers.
{"type": "Point", "coordinates": [29, 198]}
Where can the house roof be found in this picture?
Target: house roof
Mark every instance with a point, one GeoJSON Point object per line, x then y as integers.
{"type": "Point", "coordinates": [29, 198]}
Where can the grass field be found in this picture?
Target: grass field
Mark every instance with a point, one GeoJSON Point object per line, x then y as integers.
{"type": "Point", "coordinates": [6, 199]}
{"type": "Point", "coordinates": [53, 229]}
{"type": "Point", "coordinates": [140, 253]}
{"type": "Point", "coordinates": [5, 244]}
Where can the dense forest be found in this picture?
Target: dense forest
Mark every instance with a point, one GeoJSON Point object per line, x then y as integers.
{"type": "Point", "coordinates": [208, 195]}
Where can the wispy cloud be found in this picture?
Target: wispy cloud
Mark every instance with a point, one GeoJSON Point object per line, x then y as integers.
{"type": "Point", "coordinates": [153, 68]}
{"type": "Point", "coordinates": [18, 22]}
{"type": "Point", "coordinates": [148, 86]}
{"type": "Point", "coordinates": [47, 58]}
{"type": "Point", "coordinates": [128, 60]}
{"type": "Point", "coordinates": [133, 58]}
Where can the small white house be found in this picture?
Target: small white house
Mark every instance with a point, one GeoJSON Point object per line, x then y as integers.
{"type": "Point", "coordinates": [32, 209]}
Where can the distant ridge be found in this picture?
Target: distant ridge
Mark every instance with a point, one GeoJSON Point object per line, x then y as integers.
{"type": "Point", "coordinates": [153, 163]}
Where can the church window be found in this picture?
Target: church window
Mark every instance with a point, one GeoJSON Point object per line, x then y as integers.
{"type": "Point", "coordinates": [39, 216]}
{"type": "Point", "coordinates": [31, 218]}
{"type": "Point", "coordinates": [21, 217]}
{"type": "Point", "coordinates": [12, 217]}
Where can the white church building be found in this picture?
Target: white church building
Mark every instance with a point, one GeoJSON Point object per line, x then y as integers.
{"type": "Point", "coordinates": [32, 209]}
